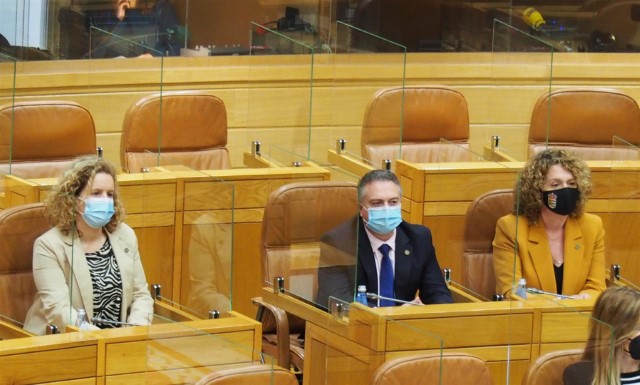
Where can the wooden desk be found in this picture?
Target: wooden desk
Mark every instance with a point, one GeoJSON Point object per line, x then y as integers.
{"type": "Point", "coordinates": [438, 195]}
{"type": "Point", "coordinates": [169, 353]}
{"type": "Point", "coordinates": [164, 208]}
{"type": "Point", "coordinates": [508, 335]}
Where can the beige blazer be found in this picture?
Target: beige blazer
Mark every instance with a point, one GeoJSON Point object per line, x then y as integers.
{"type": "Point", "coordinates": [64, 284]}
{"type": "Point", "coordinates": [584, 264]}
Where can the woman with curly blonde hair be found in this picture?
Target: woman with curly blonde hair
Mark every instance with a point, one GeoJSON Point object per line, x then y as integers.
{"type": "Point", "coordinates": [89, 260]}
{"type": "Point", "coordinates": [612, 353]}
{"type": "Point", "coordinates": [549, 240]}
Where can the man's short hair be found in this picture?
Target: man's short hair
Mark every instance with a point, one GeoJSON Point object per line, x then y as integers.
{"type": "Point", "coordinates": [374, 176]}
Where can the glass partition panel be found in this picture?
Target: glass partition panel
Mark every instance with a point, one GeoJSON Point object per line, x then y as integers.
{"type": "Point", "coordinates": [277, 156]}
{"type": "Point", "coordinates": [208, 246]}
{"type": "Point", "coordinates": [185, 222]}
{"type": "Point", "coordinates": [7, 98]}
{"type": "Point", "coordinates": [185, 352]}
{"type": "Point", "coordinates": [356, 341]}
{"type": "Point", "coordinates": [120, 42]}
{"type": "Point", "coordinates": [58, 29]}
{"type": "Point", "coordinates": [461, 203]}
{"type": "Point", "coordinates": [292, 61]}
{"type": "Point", "coordinates": [73, 310]}
{"type": "Point", "coordinates": [310, 232]}
{"type": "Point", "coordinates": [617, 183]}
{"type": "Point", "coordinates": [509, 106]}
{"type": "Point", "coordinates": [623, 150]}
{"type": "Point", "coordinates": [92, 98]}
{"type": "Point", "coordinates": [364, 123]}
{"type": "Point", "coordinates": [19, 228]}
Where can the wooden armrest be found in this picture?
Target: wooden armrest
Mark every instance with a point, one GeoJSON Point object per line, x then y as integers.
{"type": "Point", "coordinates": [282, 329]}
{"type": "Point", "coordinates": [462, 294]}
{"type": "Point", "coordinates": [10, 331]}
{"type": "Point", "coordinates": [165, 310]}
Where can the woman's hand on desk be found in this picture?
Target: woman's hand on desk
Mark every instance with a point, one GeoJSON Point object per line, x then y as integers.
{"type": "Point", "coordinates": [416, 301]}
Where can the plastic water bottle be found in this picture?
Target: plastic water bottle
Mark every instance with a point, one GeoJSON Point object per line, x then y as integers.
{"type": "Point", "coordinates": [82, 317]}
{"type": "Point", "coordinates": [361, 297]}
{"type": "Point", "coordinates": [521, 289]}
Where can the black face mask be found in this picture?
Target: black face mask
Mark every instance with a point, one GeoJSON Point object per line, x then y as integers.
{"type": "Point", "coordinates": [561, 201]}
{"type": "Point", "coordinates": [634, 348]}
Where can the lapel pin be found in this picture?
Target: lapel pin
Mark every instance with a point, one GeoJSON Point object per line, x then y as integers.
{"type": "Point", "coordinates": [577, 246]}
{"type": "Point", "coordinates": [407, 252]}
{"type": "Point", "coordinates": [126, 250]}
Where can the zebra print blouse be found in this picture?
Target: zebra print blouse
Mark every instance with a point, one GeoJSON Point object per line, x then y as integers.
{"type": "Point", "coordinates": [107, 285]}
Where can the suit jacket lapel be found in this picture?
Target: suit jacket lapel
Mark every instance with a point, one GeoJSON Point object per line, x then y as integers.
{"type": "Point", "coordinates": [80, 274]}
{"type": "Point", "coordinates": [403, 254]}
{"type": "Point", "coordinates": [366, 258]}
{"type": "Point", "coordinates": [573, 255]}
{"type": "Point", "coordinates": [122, 254]}
{"type": "Point", "coordinates": [540, 255]}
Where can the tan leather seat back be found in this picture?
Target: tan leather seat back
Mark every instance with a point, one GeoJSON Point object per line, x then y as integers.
{"type": "Point", "coordinates": [548, 368]}
{"type": "Point", "coordinates": [19, 228]}
{"type": "Point", "coordinates": [41, 139]}
{"type": "Point", "coordinates": [479, 230]}
{"type": "Point", "coordinates": [250, 375]}
{"type": "Point", "coordinates": [295, 218]}
{"type": "Point", "coordinates": [585, 121]}
{"type": "Point", "coordinates": [431, 113]}
{"type": "Point", "coordinates": [445, 369]}
{"type": "Point", "coordinates": [190, 129]}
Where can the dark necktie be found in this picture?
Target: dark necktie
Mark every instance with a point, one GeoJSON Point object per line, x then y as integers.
{"type": "Point", "coordinates": [386, 276]}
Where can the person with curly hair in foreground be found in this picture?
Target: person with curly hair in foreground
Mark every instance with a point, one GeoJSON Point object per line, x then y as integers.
{"type": "Point", "coordinates": [89, 260]}
{"type": "Point", "coordinates": [548, 239]}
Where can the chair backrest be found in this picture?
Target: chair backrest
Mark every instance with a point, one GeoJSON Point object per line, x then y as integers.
{"type": "Point", "coordinates": [250, 375]}
{"type": "Point", "coordinates": [186, 128]}
{"type": "Point", "coordinates": [479, 230]}
{"type": "Point", "coordinates": [548, 368]}
{"type": "Point", "coordinates": [436, 369]}
{"type": "Point", "coordinates": [431, 113]}
{"type": "Point", "coordinates": [585, 121]}
{"type": "Point", "coordinates": [19, 228]}
{"type": "Point", "coordinates": [41, 139]}
{"type": "Point", "coordinates": [295, 218]}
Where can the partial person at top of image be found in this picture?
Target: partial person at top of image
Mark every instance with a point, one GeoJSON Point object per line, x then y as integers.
{"type": "Point", "coordinates": [612, 353]}
{"type": "Point", "coordinates": [549, 240]}
{"type": "Point", "coordinates": [396, 260]}
{"type": "Point", "coordinates": [89, 260]}
{"type": "Point", "coordinates": [137, 32]}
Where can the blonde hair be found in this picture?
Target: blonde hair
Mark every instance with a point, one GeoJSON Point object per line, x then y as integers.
{"type": "Point", "coordinates": [62, 203]}
{"type": "Point", "coordinates": [528, 189]}
{"type": "Point", "coordinates": [614, 318]}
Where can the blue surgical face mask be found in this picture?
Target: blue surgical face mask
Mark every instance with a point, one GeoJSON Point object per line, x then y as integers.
{"type": "Point", "coordinates": [98, 211]}
{"type": "Point", "coordinates": [383, 220]}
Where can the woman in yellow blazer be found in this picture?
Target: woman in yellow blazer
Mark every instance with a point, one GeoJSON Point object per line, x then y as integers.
{"type": "Point", "coordinates": [549, 240]}
{"type": "Point", "coordinates": [90, 259]}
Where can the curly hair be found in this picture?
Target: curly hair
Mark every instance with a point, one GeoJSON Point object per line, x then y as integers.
{"type": "Point", "coordinates": [61, 205]}
{"type": "Point", "coordinates": [529, 186]}
{"type": "Point", "coordinates": [614, 318]}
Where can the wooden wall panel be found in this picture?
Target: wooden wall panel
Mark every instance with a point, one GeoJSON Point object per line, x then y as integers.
{"type": "Point", "coordinates": [268, 98]}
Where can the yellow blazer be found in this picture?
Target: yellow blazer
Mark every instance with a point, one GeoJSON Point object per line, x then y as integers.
{"type": "Point", "coordinates": [584, 265]}
{"type": "Point", "coordinates": [63, 280]}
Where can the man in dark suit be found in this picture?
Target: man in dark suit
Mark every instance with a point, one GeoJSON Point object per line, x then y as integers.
{"type": "Point", "coordinates": [407, 265]}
